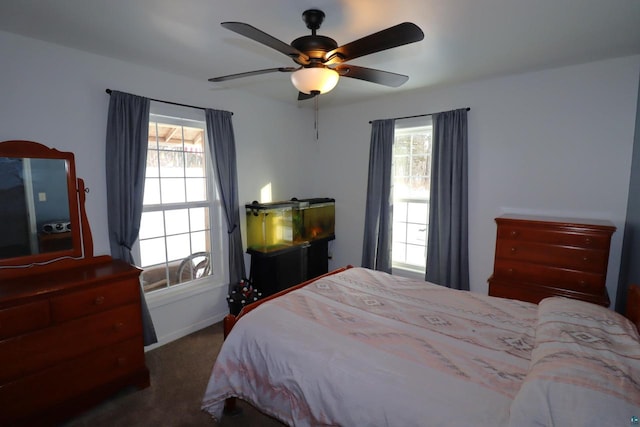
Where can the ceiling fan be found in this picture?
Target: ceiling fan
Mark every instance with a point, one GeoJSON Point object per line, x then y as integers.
{"type": "Point", "coordinates": [321, 61]}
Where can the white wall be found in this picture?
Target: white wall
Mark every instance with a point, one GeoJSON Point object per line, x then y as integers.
{"type": "Point", "coordinates": [555, 142]}
{"type": "Point", "coordinates": [56, 96]}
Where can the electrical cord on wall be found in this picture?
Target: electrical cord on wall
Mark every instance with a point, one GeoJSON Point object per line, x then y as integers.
{"type": "Point", "coordinates": [33, 264]}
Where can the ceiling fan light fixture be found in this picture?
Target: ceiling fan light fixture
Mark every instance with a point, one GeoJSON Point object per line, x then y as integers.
{"type": "Point", "coordinates": [315, 79]}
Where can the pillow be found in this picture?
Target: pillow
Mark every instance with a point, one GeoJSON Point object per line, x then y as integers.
{"type": "Point", "coordinates": [584, 369]}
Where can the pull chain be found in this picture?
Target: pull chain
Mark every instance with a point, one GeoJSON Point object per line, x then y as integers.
{"type": "Point", "coordinates": [315, 124]}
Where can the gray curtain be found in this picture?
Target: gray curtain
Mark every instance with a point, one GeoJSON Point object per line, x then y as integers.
{"type": "Point", "coordinates": [447, 246]}
{"type": "Point", "coordinates": [126, 160]}
{"type": "Point", "coordinates": [376, 247]}
{"type": "Point", "coordinates": [629, 265]}
{"type": "Point", "coordinates": [223, 146]}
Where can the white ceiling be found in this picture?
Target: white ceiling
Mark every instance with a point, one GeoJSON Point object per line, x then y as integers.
{"type": "Point", "coordinates": [464, 39]}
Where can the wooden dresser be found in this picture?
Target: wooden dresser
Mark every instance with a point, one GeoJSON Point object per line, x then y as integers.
{"type": "Point", "coordinates": [68, 338]}
{"type": "Point", "coordinates": [538, 257]}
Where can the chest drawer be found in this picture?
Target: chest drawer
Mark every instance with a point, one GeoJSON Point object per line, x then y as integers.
{"type": "Point", "coordinates": [537, 257]}
{"type": "Point", "coordinates": [94, 300]}
{"type": "Point", "coordinates": [36, 351]}
{"type": "Point", "coordinates": [24, 318]}
{"type": "Point", "coordinates": [554, 237]}
{"type": "Point", "coordinates": [524, 272]}
{"type": "Point", "coordinates": [555, 256]}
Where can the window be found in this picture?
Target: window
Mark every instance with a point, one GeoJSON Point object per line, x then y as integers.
{"type": "Point", "coordinates": [411, 184]}
{"type": "Point", "coordinates": [176, 235]}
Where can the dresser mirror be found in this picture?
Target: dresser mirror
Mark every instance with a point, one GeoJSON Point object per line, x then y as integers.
{"type": "Point", "coordinates": [41, 203]}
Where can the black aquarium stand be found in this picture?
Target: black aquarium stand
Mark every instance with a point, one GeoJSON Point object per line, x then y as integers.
{"type": "Point", "coordinates": [275, 271]}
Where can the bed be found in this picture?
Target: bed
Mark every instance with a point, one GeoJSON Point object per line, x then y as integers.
{"type": "Point", "coordinates": [359, 347]}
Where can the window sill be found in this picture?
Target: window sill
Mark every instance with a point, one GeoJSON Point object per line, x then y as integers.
{"type": "Point", "coordinates": [176, 293]}
{"type": "Point", "coordinates": [407, 272]}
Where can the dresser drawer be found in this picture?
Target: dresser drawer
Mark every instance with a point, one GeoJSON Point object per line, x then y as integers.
{"type": "Point", "coordinates": [580, 281]}
{"type": "Point", "coordinates": [39, 350]}
{"type": "Point", "coordinates": [48, 388]}
{"type": "Point", "coordinates": [24, 318]}
{"type": "Point", "coordinates": [95, 299]}
{"type": "Point", "coordinates": [554, 237]}
{"type": "Point", "coordinates": [557, 256]}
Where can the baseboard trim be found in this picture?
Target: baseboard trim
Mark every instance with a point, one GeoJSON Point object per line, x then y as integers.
{"type": "Point", "coordinates": [165, 339]}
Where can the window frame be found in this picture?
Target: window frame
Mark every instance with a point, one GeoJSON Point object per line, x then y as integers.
{"type": "Point", "coordinates": [183, 116]}
{"type": "Point", "coordinates": [411, 126]}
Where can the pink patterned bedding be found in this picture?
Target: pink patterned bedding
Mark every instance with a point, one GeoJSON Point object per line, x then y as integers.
{"type": "Point", "coordinates": [584, 370]}
{"type": "Point", "coordinates": [364, 348]}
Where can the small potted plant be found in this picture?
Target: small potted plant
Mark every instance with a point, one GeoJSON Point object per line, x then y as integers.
{"type": "Point", "coordinates": [241, 294]}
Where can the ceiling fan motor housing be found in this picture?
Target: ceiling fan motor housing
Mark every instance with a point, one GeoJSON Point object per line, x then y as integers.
{"type": "Point", "coordinates": [314, 46]}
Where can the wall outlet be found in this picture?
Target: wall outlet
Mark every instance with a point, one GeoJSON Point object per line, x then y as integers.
{"type": "Point", "coordinates": [42, 197]}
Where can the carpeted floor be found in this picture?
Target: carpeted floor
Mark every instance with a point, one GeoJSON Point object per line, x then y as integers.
{"type": "Point", "coordinates": [179, 374]}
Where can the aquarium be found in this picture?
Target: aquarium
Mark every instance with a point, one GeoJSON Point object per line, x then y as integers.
{"type": "Point", "coordinates": [276, 226]}
{"type": "Point", "coordinates": [313, 219]}
{"type": "Point", "coordinates": [269, 226]}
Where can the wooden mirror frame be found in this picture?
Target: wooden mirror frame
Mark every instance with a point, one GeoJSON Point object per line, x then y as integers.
{"type": "Point", "coordinates": [82, 243]}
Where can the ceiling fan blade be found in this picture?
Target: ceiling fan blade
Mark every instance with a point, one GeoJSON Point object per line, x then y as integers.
{"type": "Point", "coordinates": [252, 73]}
{"type": "Point", "coordinates": [304, 96]}
{"type": "Point", "coordinates": [380, 77]}
{"type": "Point", "coordinates": [261, 37]}
{"type": "Point", "coordinates": [395, 36]}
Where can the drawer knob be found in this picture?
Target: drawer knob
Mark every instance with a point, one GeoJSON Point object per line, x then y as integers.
{"type": "Point", "coordinates": [586, 259]}
{"type": "Point", "coordinates": [514, 250]}
{"type": "Point", "coordinates": [514, 233]}
{"type": "Point", "coordinates": [118, 326]}
{"type": "Point", "coordinates": [587, 240]}
{"type": "Point", "coordinates": [99, 300]}
{"type": "Point", "coordinates": [582, 283]}
{"type": "Point", "coordinates": [510, 271]}
{"type": "Point", "coordinates": [121, 361]}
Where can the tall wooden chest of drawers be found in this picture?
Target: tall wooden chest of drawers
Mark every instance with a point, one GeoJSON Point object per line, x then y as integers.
{"type": "Point", "coordinates": [538, 257]}
{"type": "Point", "coordinates": [68, 339]}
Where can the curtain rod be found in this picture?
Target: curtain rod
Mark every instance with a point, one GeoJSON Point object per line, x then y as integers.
{"type": "Point", "coordinates": [417, 115]}
{"type": "Point", "coordinates": [169, 102]}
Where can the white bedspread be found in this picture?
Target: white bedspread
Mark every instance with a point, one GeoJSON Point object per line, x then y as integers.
{"type": "Point", "coordinates": [363, 348]}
